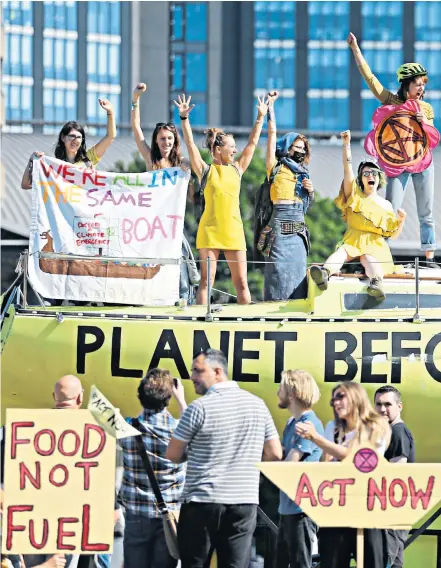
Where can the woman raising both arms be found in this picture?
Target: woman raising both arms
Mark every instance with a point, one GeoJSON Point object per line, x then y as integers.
{"type": "Point", "coordinates": [165, 148]}
{"type": "Point", "coordinates": [291, 192]}
{"type": "Point", "coordinates": [221, 228]}
{"type": "Point", "coordinates": [71, 145]}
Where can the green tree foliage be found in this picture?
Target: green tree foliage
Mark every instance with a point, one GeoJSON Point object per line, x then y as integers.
{"type": "Point", "coordinates": [323, 220]}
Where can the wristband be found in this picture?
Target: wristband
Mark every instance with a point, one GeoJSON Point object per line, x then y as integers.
{"type": "Point", "coordinates": [134, 105]}
{"type": "Point", "coordinates": [270, 115]}
{"type": "Point", "coordinates": [183, 117]}
{"type": "Point", "coordinates": [109, 113]}
{"type": "Point", "coordinates": [259, 120]}
{"type": "Point", "coordinates": [347, 145]}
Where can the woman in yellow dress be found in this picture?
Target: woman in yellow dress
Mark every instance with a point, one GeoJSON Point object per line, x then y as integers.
{"type": "Point", "coordinates": [220, 227]}
{"type": "Point", "coordinates": [370, 219]}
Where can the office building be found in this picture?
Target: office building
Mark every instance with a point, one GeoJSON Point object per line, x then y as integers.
{"type": "Point", "coordinates": [61, 56]}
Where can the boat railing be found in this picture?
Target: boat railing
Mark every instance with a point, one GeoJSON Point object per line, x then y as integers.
{"type": "Point", "coordinates": [21, 295]}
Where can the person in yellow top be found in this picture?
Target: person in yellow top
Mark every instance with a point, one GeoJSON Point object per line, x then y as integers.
{"type": "Point", "coordinates": [220, 227]}
{"type": "Point", "coordinates": [71, 145]}
{"type": "Point", "coordinates": [370, 219]}
{"type": "Point", "coordinates": [413, 79]}
{"type": "Point", "coordinates": [284, 242]}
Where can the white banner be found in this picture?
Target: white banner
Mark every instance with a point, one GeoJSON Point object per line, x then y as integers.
{"type": "Point", "coordinates": [119, 218]}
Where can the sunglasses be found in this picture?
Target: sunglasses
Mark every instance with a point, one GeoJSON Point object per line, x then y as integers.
{"type": "Point", "coordinates": [367, 173]}
{"type": "Point", "coordinates": [166, 124]}
{"type": "Point", "coordinates": [74, 137]}
{"type": "Point", "coordinates": [338, 396]}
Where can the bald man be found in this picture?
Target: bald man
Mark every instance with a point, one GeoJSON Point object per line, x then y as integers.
{"type": "Point", "coordinates": [68, 393]}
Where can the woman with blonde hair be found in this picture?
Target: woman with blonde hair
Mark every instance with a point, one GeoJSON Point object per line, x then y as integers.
{"type": "Point", "coordinates": [298, 392]}
{"type": "Point", "coordinates": [357, 423]}
{"type": "Point", "coordinates": [220, 227]}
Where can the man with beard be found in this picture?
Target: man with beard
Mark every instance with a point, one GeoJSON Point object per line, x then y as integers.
{"type": "Point", "coordinates": [222, 435]}
{"type": "Point", "coordinates": [401, 450]}
{"type": "Point", "coordinates": [298, 392]}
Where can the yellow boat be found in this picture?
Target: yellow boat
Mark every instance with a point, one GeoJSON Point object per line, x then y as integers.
{"type": "Point", "coordinates": [339, 334]}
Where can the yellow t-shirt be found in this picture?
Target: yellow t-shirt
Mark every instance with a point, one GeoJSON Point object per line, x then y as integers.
{"type": "Point", "coordinates": [92, 155]}
{"type": "Point", "coordinates": [284, 184]}
{"type": "Point", "coordinates": [387, 97]}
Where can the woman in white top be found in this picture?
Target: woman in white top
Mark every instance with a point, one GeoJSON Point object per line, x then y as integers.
{"type": "Point", "coordinates": [356, 422]}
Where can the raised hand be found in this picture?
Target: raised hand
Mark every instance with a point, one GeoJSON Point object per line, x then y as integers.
{"type": "Point", "coordinates": [183, 105]}
{"type": "Point", "coordinates": [106, 105]}
{"type": "Point", "coordinates": [352, 41]}
{"type": "Point", "coordinates": [139, 90]}
{"type": "Point", "coordinates": [401, 214]}
{"type": "Point", "coordinates": [262, 107]}
{"type": "Point", "coordinates": [272, 96]}
{"type": "Point", "coordinates": [419, 116]}
{"type": "Point", "coordinates": [345, 137]}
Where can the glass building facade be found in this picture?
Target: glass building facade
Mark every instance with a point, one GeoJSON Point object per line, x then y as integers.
{"type": "Point", "coordinates": [382, 28]}
{"type": "Point", "coordinates": [18, 61]}
{"type": "Point", "coordinates": [275, 56]}
{"type": "Point", "coordinates": [60, 34]}
{"type": "Point", "coordinates": [61, 56]}
{"type": "Point", "coordinates": [188, 57]}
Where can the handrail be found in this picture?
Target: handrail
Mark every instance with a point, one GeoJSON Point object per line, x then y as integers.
{"type": "Point", "coordinates": [415, 533]}
{"type": "Point", "coordinates": [421, 530]}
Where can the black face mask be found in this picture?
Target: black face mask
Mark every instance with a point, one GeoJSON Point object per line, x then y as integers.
{"type": "Point", "coordinates": [298, 157]}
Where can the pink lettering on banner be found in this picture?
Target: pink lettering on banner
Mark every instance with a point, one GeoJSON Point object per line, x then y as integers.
{"type": "Point", "coordinates": [142, 229]}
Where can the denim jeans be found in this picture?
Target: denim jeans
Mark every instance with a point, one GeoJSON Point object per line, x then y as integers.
{"type": "Point", "coordinates": [295, 540]}
{"type": "Point", "coordinates": [144, 543]}
{"type": "Point", "coordinates": [424, 184]}
{"type": "Point", "coordinates": [226, 528]}
{"type": "Point", "coordinates": [285, 271]}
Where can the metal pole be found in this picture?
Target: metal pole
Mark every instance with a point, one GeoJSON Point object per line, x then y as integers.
{"type": "Point", "coordinates": [438, 551]}
{"type": "Point", "coordinates": [208, 315]}
{"type": "Point", "coordinates": [417, 318]}
{"type": "Point", "coordinates": [25, 277]}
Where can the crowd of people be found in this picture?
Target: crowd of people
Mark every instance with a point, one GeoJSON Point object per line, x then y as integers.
{"type": "Point", "coordinates": [206, 467]}
{"type": "Point", "coordinates": [284, 240]}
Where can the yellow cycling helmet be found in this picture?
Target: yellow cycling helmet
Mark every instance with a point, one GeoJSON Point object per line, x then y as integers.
{"type": "Point", "coordinates": [410, 70]}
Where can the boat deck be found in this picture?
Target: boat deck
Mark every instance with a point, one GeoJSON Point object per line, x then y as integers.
{"type": "Point", "coordinates": [346, 298]}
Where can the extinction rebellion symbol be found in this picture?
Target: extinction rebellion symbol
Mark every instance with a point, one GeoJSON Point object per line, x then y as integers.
{"type": "Point", "coordinates": [400, 139]}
